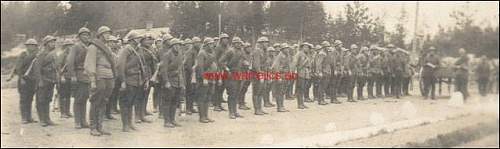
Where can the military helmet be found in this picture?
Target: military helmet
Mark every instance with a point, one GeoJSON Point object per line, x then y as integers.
{"type": "Point", "coordinates": [67, 42]}
{"type": "Point", "coordinates": [196, 39]}
{"type": "Point", "coordinates": [147, 36]}
{"type": "Point", "coordinates": [175, 41]}
{"type": "Point", "coordinates": [271, 49]}
{"type": "Point", "coordinates": [354, 46]}
{"type": "Point", "coordinates": [317, 47]}
{"type": "Point", "coordinates": [337, 42]}
{"type": "Point", "coordinates": [133, 35]}
{"type": "Point", "coordinates": [103, 29]}
{"type": "Point", "coordinates": [224, 35]}
{"type": "Point", "coordinates": [208, 40]}
{"type": "Point", "coordinates": [432, 48]}
{"type": "Point", "coordinates": [284, 46]}
{"type": "Point", "coordinates": [167, 37]}
{"type": "Point", "coordinates": [48, 38]}
{"type": "Point", "coordinates": [364, 48]}
{"type": "Point", "coordinates": [216, 38]}
{"type": "Point", "coordinates": [263, 39]}
{"type": "Point", "coordinates": [31, 41]}
{"type": "Point", "coordinates": [188, 41]}
{"type": "Point", "coordinates": [83, 30]}
{"type": "Point", "coordinates": [237, 39]}
{"type": "Point", "coordinates": [307, 44]}
{"type": "Point", "coordinates": [325, 44]}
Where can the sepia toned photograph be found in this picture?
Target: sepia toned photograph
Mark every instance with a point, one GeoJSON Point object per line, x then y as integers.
{"type": "Point", "coordinates": [249, 74]}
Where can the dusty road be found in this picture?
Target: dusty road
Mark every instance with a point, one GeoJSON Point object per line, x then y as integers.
{"type": "Point", "coordinates": [252, 130]}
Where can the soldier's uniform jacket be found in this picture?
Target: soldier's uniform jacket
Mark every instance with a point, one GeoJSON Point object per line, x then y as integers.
{"type": "Point", "coordinates": [99, 61]}
{"type": "Point", "coordinates": [232, 59]}
{"type": "Point", "coordinates": [430, 64]}
{"type": "Point", "coordinates": [205, 63]}
{"type": "Point", "coordinates": [462, 67]}
{"type": "Point", "coordinates": [45, 69]}
{"type": "Point", "coordinates": [61, 63]}
{"type": "Point", "coordinates": [386, 64]}
{"type": "Point", "coordinates": [219, 50]}
{"type": "Point", "coordinates": [302, 64]}
{"type": "Point", "coordinates": [376, 64]}
{"type": "Point", "coordinates": [408, 70]}
{"type": "Point", "coordinates": [281, 64]}
{"type": "Point", "coordinates": [131, 66]}
{"type": "Point", "coordinates": [397, 64]}
{"type": "Point", "coordinates": [361, 64]}
{"type": "Point", "coordinates": [349, 63]}
{"type": "Point", "coordinates": [336, 61]}
{"type": "Point", "coordinates": [189, 59]}
{"type": "Point", "coordinates": [150, 61]}
{"type": "Point", "coordinates": [258, 60]}
{"type": "Point", "coordinates": [246, 60]}
{"type": "Point", "coordinates": [172, 69]}
{"type": "Point", "coordinates": [75, 61]}
{"type": "Point", "coordinates": [23, 63]}
{"type": "Point", "coordinates": [323, 64]}
{"type": "Point", "coordinates": [483, 69]}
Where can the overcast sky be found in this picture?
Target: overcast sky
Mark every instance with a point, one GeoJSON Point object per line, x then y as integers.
{"type": "Point", "coordinates": [431, 13]}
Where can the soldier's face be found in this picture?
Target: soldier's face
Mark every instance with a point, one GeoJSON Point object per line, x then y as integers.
{"type": "Point", "coordinates": [51, 45]}
{"type": "Point", "coordinates": [31, 47]}
{"type": "Point", "coordinates": [84, 37]}
{"type": "Point", "coordinates": [225, 40]}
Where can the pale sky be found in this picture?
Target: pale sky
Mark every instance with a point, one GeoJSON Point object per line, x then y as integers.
{"type": "Point", "coordinates": [431, 13]}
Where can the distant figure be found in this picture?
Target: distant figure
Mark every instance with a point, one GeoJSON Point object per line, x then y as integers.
{"type": "Point", "coordinates": [462, 73]}
{"type": "Point", "coordinates": [483, 75]}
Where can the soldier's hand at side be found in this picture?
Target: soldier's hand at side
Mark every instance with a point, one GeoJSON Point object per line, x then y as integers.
{"type": "Point", "coordinates": [73, 79]}
{"type": "Point", "coordinates": [63, 80]}
{"type": "Point", "coordinates": [167, 85]}
{"type": "Point", "coordinates": [93, 87]}
{"type": "Point", "coordinates": [123, 86]}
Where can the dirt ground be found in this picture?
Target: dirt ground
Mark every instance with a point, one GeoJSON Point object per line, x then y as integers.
{"type": "Point", "coordinates": [252, 130]}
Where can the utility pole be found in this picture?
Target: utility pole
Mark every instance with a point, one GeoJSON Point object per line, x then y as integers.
{"type": "Point", "coordinates": [220, 16]}
{"type": "Point", "coordinates": [415, 36]}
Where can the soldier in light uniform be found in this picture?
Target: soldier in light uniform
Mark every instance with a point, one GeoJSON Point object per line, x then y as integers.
{"type": "Point", "coordinates": [349, 65]}
{"type": "Point", "coordinates": [231, 62]}
{"type": "Point", "coordinates": [270, 53]}
{"type": "Point", "coordinates": [377, 73]}
{"type": "Point", "coordinates": [26, 83]}
{"type": "Point", "coordinates": [323, 72]}
{"type": "Point", "coordinates": [172, 72]}
{"type": "Point", "coordinates": [130, 66]}
{"type": "Point", "coordinates": [338, 66]}
{"type": "Point", "coordinates": [387, 72]}
{"type": "Point", "coordinates": [64, 87]}
{"type": "Point", "coordinates": [46, 76]}
{"type": "Point", "coordinates": [112, 106]}
{"type": "Point", "coordinates": [315, 71]}
{"type": "Point", "coordinates": [281, 66]}
{"type": "Point", "coordinates": [371, 71]}
{"type": "Point", "coordinates": [99, 65]}
{"type": "Point", "coordinates": [205, 63]}
{"type": "Point", "coordinates": [302, 65]}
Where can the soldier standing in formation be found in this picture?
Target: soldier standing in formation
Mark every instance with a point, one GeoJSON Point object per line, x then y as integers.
{"type": "Point", "coordinates": [230, 61]}
{"type": "Point", "coordinates": [302, 65]}
{"type": "Point", "coordinates": [220, 49]}
{"type": "Point", "coordinates": [462, 73]}
{"type": "Point", "coordinates": [112, 106]}
{"type": "Point", "coordinates": [26, 83]}
{"type": "Point", "coordinates": [281, 66]}
{"type": "Point", "coordinates": [483, 75]}
{"type": "Point", "coordinates": [45, 72]}
{"type": "Point", "coordinates": [205, 63]}
{"type": "Point", "coordinates": [100, 67]}
{"type": "Point", "coordinates": [258, 66]}
{"type": "Point", "coordinates": [245, 83]}
{"type": "Point", "coordinates": [64, 87]}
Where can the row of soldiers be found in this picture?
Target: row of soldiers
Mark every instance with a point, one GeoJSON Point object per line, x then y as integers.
{"type": "Point", "coordinates": [110, 74]}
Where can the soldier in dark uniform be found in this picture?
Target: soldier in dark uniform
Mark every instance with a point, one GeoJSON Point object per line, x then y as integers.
{"type": "Point", "coordinates": [157, 81]}
{"type": "Point", "coordinates": [231, 62]}
{"type": "Point", "coordinates": [245, 83]}
{"type": "Point", "coordinates": [258, 66]}
{"type": "Point", "coordinates": [131, 73]}
{"type": "Point", "coordinates": [407, 73]}
{"type": "Point", "coordinates": [64, 87]}
{"type": "Point", "coordinates": [361, 71]}
{"type": "Point", "coordinates": [430, 65]}
{"type": "Point", "coordinates": [205, 63]}
{"type": "Point", "coordinates": [172, 72]}
{"type": "Point", "coordinates": [112, 106]}
{"type": "Point", "coordinates": [302, 65]}
{"type": "Point", "coordinates": [371, 71]}
{"type": "Point", "coordinates": [26, 83]}
{"type": "Point", "coordinates": [290, 83]}
{"type": "Point", "coordinates": [80, 81]}
{"type": "Point", "coordinates": [100, 67]}
{"type": "Point", "coordinates": [46, 75]}
{"type": "Point", "coordinates": [323, 71]}
{"type": "Point", "coordinates": [462, 73]}
{"type": "Point", "coordinates": [280, 66]}
{"type": "Point", "coordinates": [150, 60]}
{"type": "Point", "coordinates": [315, 78]}
{"type": "Point", "coordinates": [483, 75]}
{"type": "Point", "coordinates": [387, 72]}
{"type": "Point", "coordinates": [309, 79]}
{"type": "Point", "coordinates": [222, 47]}
{"type": "Point", "coordinates": [377, 73]}
{"type": "Point", "coordinates": [337, 68]}
{"type": "Point", "coordinates": [270, 53]}
{"type": "Point", "coordinates": [398, 67]}
{"type": "Point", "coordinates": [189, 59]}
{"type": "Point", "coordinates": [349, 65]}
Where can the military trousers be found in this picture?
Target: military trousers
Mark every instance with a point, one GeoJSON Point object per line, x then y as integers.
{"type": "Point", "coordinates": [482, 86]}
{"type": "Point", "coordinates": [127, 101]}
{"type": "Point", "coordinates": [361, 82]}
{"type": "Point", "coordinates": [301, 91]}
{"type": "Point", "coordinates": [387, 84]}
{"type": "Point", "coordinates": [379, 84]}
{"type": "Point", "coordinates": [257, 94]}
{"type": "Point", "coordinates": [279, 91]}
{"type": "Point", "coordinates": [44, 95]}
{"type": "Point", "coordinates": [316, 81]}
{"type": "Point", "coordinates": [429, 86]}
{"type": "Point", "coordinates": [461, 84]}
{"type": "Point", "coordinates": [81, 94]}
{"type": "Point", "coordinates": [112, 104]}
{"type": "Point", "coordinates": [170, 102]}
{"type": "Point", "coordinates": [396, 84]}
{"type": "Point", "coordinates": [233, 87]}
{"type": "Point", "coordinates": [190, 95]}
{"type": "Point", "coordinates": [370, 85]}
{"type": "Point", "coordinates": [64, 90]}
{"type": "Point", "coordinates": [26, 89]}
{"type": "Point", "coordinates": [243, 91]}
{"type": "Point", "coordinates": [348, 85]}
{"type": "Point", "coordinates": [98, 101]}
{"type": "Point", "coordinates": [266, 93]}
{"type": "Point", "coordinates": [204, 94]}
{"type": "Point", "coordinates": [406, 85]}
{"type": "Point", "coordinates": [324, 82]}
